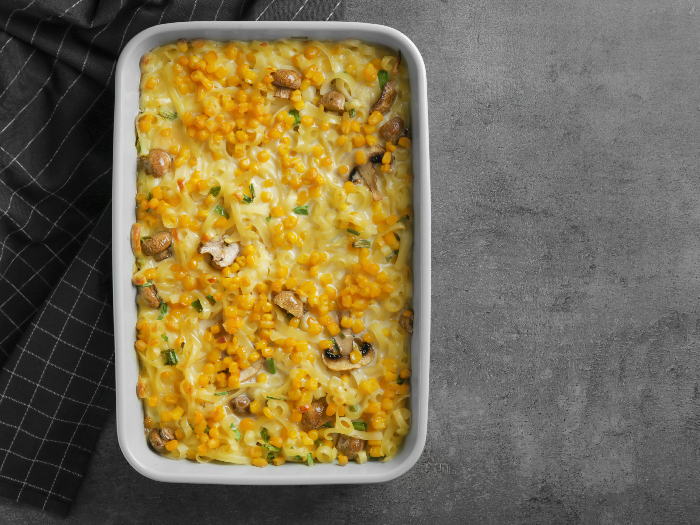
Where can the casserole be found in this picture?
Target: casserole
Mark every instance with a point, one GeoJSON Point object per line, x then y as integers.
{"type": "Point", "coordinates": [129, 421]}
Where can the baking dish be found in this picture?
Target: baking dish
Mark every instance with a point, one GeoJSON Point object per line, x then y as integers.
{"type": "Point", "coordinates": [129, 407]}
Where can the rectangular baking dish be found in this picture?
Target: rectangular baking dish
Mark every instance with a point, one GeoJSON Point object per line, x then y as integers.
{"type": "Point", "coordinates": [129, 408]}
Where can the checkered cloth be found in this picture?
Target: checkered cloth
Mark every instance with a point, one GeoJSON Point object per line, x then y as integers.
{"type": "Point", "coordinates": [56, 107]}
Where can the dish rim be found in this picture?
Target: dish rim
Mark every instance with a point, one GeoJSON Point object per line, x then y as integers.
{"type": "Point", "coordinates": [129, 427]}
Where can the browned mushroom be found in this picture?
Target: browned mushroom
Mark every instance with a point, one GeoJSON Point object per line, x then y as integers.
{"type": "Point", "coordinates": [333, 101]}
{"type": "Point", "coordinates": [156, 163]}
{"type": "Point", "coordinates": [406, 321]}
{"type": "Point", "coordinates": [223, 254]}
{"type": "Point", "coordinates": [286, 78]}
{"type": "Point", "coordinates": [158, 438]}
{"type": "Point", "coordinates": [350, 446]}
{"type": "Point", "coordinates": [251, 371]}
{"type": "Point", "coordinates": [156, 244]}
{"type": "Point", "coordinates": [386, 99]}
{"type": "Point", "coordinates": [149, 295]}
{"type": "Point", "coordinates": [161, 256]}
{"type": "Point", "coordinates": [337, 362]}
{"type": "Point", "coordinates": [315, 417]}
{"type": "Point", "coordinates": [369, 176]}
{"type": "Point", "coordinates": [395, 71]}
{"type": "Point", "coordinates": [284, 93]}
{"type": "Point", "coordinates": [290, 302]}
{"type": "Point", "coordinates": [240, 404]}
{"type": "Point", "coordinates": [392, 130]}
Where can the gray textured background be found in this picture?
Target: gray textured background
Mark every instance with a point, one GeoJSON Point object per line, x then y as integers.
{"type": "Point", "coordinates": [566, 330]}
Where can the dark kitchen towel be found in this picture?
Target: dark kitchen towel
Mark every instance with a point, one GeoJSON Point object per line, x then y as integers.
{"type": "Point", "coordinates": [57, 61]}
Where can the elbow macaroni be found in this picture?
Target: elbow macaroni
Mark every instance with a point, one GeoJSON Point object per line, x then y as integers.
{"type": "Point", "coordinates": [272, 175]}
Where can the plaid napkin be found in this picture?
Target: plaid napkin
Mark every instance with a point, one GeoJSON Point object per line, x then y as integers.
{"type": "Point", "coordinates": [56, 336]}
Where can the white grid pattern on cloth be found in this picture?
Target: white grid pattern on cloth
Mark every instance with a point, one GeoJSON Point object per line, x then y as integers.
{"type": "Point", "coordinates": [49, 416]}
{"type": "Point", "coordinates": [25, 431]}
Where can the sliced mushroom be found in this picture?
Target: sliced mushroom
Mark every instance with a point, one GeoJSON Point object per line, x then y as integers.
{"type": "Point", "coordinates": [290, 302]}
{"type": "Point", "coordinates": [161, 256]}
{"type": "Point", "coordinates": [156, 244]}
{"type": "Point", "coordinates": [286, 78]}
{"type": "Point", "coordinates": [158, 438]}
{"type": "Point", "coordinates": [240, 404]}
{"type": "Point", "coordinates": [350, 446]}
{"type": "Point", "coordinates": [375, 154]}
{"type": "Point", "coordinates": [156, 163]}
{"type": "Point", "coordinates": [369, 176]}
{"type": "Point", "coordinates": [316, 417]}
{"type": "Point", "coordinates": [223, 254]}
{"type": "Point", "coordinates": [392, 130]}
{"type": "Point", "coordinates": [285, 93]}
{"type": "Point", "coordinates": [251, 371]}
{"type": "Point", "coordinates": [386, 99]}
{"type": "Point", "coordinates": [149, 294]}
{"type": "Point", "coordinates": [339, 363]}
{"type": "Point", "coordinates": [406, 321]}
{"type": "Point", "coordinates": [395, 71]}
{"type": "Point", "coordinates": [333, 101]}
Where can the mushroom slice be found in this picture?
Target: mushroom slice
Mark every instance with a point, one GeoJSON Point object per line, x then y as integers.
{"type": "Point", "coordinates": [339, 363]}
{"type": "Point", "coordinates": [315, 417]}
{"type": "Point", "coordinates": [368, 175]}
{"type": "Point", "coordinates": [149, 294]}
{"type": "Point", "coordinates": [406, 321]}
{"type": "Point", "coordinates": [240, 404]}
{"type": "Point", "coordinates": [333, 101]}
{"type": "Point", "coordinates": [159, 437]}
{"type": "Point", "coordinates": [223, 254]}
{"type": "Point", "coordinates": [286, 78]}
{"type": "Point", "coordinates": [395, 71]}
{"type": "Point", "coordinates": [156, 163]}
{"type": "Point", "coordinates": [282, 92]}
{"type": "Point", "coordinates": [156, 244]}
{"type": "Point", "coordinates": [375, 154]}
{"type": "Point", "coordinates": [386, 99]}
{"type": "Point", "coordinates": [161, 256]}
{"type": "Point", "coordinates": [290, 302]}
{"type": "Point", "coordinates": [251, 371]}
{"type": "Point", "coordinates": [392, 130]}
{"type": "Point", "coordinates": [350, 446]}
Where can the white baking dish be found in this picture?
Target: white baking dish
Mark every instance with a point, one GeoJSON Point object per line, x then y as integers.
{"type": "Point", "coordinates": [129, 408]}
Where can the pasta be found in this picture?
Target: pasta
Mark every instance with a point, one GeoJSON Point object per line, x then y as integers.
{"type": "Point", "coordinates": [273, 251]}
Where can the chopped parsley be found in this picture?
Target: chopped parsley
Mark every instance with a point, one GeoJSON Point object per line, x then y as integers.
{"type": "Point", "coordinates": [197, 306]}
{"type": "Point", "coordinates": [271, 367]}
{"type": "Point", "coordinates": [211, 299]}
{"type": "Point", "coordinates": [170, 357]}
{"type": "Point", "coordinates": [295, 114]}
{"type": "Point", "coordinates": [220, 211]}
{"type": "Point", "coordinates": [265, 435]}
{"type": "Point", "coordinates": [383, 78]}
{"type": "Point", "coordinates": [164, 337]}
{"type": "Point", "coordinates": [236, 433]}
{"type": "Point", "coordinates": [302, 210]}
{"type": "Point", "coordinates": [215, 191]}
{"type": "Point", "coordinates": [163, 311]}
{"type": "Point", "coordinates": [268, 219]}
{"type": "Point", "coordinates": [354, 232]}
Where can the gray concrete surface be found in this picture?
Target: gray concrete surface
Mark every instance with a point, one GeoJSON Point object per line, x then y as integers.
{"type": "Point", "coordinates": [566, 329]}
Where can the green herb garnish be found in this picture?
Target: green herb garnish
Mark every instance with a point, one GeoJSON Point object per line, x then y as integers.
{"type": "Point", "coordinates": [215, 191]}
{"type": "Point", "coordinates": [298, 457]}
{"type": "Point", "coordinates": [302, 210]}
{"type": "Point", "coordinates": [360, 425]}
{"type": "Point", "coordinates": [138, 144]}
{"type": "Point", "coordinates": [164, 337]}
{"type": "Point", "coordinates": [163, 311]}
{"type": "Point", "coordinates": [146, 284]}
{"type": "Point", "coordinates": [290, 317]}
{"type": "Point", "coordinates": [247, 200]}
{"type": "Point", "coordinates": [404, 219]}
{"type": "Point", "coordinates": [206, 430]}
{"type": "Point", "coordinates": [295, 114]}
{"type": "Point", "coordinates": [268, 219]}
{"type": "Point", "coordinates": [220, 211]}
{"type": "Point", "coordinates": [197, 306]}
{"type": "Point", "coordinates": [170, 357]}
{"type": "Point", "coordinates": [270, 456]}
{"type": "Point", "coordinates": [222, 393]}
{"type": "Point", "coordinates": [277, 398]}
{"type": "Point", "coordinates": [265, 435]}
{"type": "Point", "coordinates": [328, 424]}
{"type": "Point", "coordinates": [211, 299]}
{"type": "Point", "coordinates": [352, 112]}
{"type": "Point", "coordinates": [252, 190]}
{"type": "Point", "coordinates": [354, 408]}
{"type": "Point", "coordinates": [342, 334]}
{"type": "Point", "coordinates": [383, 78]}
{"type": "Point", "coordinates": [269, 447]}
{"type": "Point", "coordinates": [318, 442]}
{"type": "Point", "coordinates": [146, 238]}
{"type": "Point", "coordinates": [335, 345]}
{"type": "Point", "coordinates": [167, 115]}
{"type": "Point", "coordinates": [362, 243]}
{"type": "Point", "coordinates": [271, 366]}
{"type": "Point", "coordinates": [354, 232]}
{"type": "Point", "coordinates": [236, 433]}
{"type": "Point", "coordinates": [310, 459]}
{"type": "Point", "coordinates": [399, 381]}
